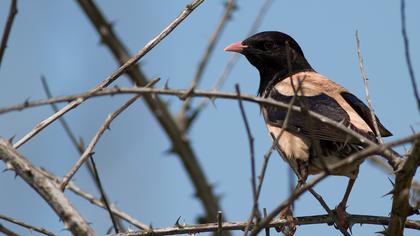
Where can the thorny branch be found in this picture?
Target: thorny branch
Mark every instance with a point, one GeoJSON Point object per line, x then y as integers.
{"type": "Point", "coordinates": [407, 54]}
{"type": "Point", "coordinates": [26, 225]}
{"type": "Point", "coordinates": [89, 149]}
{"type": "Point", "coordinates": [90, 165]}
{"type": "Point", "coordinates": [303, 220]}
{"type": "Point", "coordinates": [180, 143]}
{"type": "Point", "coordinates": [393, 159]}
{"type": "Point", "coordinates": [400, 202]}
{"type": "Point", "coordinates": [46, 188]}
{"type": "Point", "coordinates": [365, 79]}
{"type": "Point", "coordinates": [7, 28]}
{"type": "Point", "coordinates": [230, 7]}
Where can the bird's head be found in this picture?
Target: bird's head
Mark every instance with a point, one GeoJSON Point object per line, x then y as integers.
{"type": "Point", "coordinates": [276, 55]}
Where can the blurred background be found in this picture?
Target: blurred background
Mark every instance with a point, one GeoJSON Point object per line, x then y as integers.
{"type": "Point", "coordinates": [55, 39]}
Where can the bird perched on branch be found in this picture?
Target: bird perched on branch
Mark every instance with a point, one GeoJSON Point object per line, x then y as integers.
{"type": "Point", "coordinates": [307, 144]}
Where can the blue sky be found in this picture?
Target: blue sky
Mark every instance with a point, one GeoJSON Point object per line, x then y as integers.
{"type": "Point", "coordinates": [55, 39]}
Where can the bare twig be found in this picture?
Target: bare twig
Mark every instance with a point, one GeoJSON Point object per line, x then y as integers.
{"type": "Point", "coordinates": [7, 231]}
{"type": "Point", "coordinates": [255, 210]}
{"type": "Point", "coordinates": [25, 225]}
{"type": "Point", "coordinates": [115, 75]}
{"type": "Point", "coordinates": [90, 165]}
{"type": "Point", "coordinates": [231, 63]}
{"type": "Point", "coordinates": [75, 189]}
{"type": "Point", "coordinates": [393, 159]}
{"type": "Point", "coordinates": [407, 54]}
{"type": "Point", "coordinates": [180, 143]}
{"type": "Point", "coordinates": [400, 202]}
{"type": "Point", "coordinates": [365, 79]}
{"type": "Point", "coordinates": [341, 164]}
{"type": "Point", "coordinates": [302, 220]}
{"type": "Point", "coordinates": [89, 149]}
{"type": "Point", "coordinates": [7, 28]}
{"type": "Point", "coordinates": [230, 6]}
{"type": "Point", "coordinates": [47, 189]}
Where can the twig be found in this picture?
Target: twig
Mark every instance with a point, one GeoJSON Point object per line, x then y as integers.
{"type": "Point", "coordinates": [8, 27]}
{"type": "Point", "coordinates": [230, 6]}
{"type": "Point", "coordinates": [400, 202]}
{"type": "Point", "coordinates": [369, 101]}
{"type": "Point", "coordinates": [255, 210]}
{"type": "Point", "coordinates": [180, 143]}
{"type": "Point", "coordinates": [7, 231]}
{"type": "Point", "coordinates": [114, 220]}
{"type": "Point", "coordinates": [79, 147]}
{"type": "Point", "coordinates": [89, 149]}
{"type": "Point", "coordinates": [341, 164]}
{"type": "Point", "coordinates": [46, 188]}
{"type": "Point", "coordinates": [25, 225]}
{"type": "Point", "coordinates": [393, 159]}
{"type": "Point", "coordinates": [302, 220]}
{"type": "Point", "coordinates": [115, 75]}
{"type": "Point", "coordinates": [75, 189]}
{"type": "Point", "coordinates": [407, 54]}
{"type": "Point", "coordinates": [231, 63]}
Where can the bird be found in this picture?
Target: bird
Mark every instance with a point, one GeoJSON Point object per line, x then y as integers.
{"type": "Point", "coordinates": [306, 144]}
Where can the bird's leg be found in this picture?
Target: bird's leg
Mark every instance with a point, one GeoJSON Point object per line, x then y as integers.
{"type": "Point", "coordinates": [287, 212]}
{"type": "Point", "coordinates": [341, 207]}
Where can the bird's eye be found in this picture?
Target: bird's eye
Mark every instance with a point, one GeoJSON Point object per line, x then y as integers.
{"type": "Point", "coordinates": [268, 45]}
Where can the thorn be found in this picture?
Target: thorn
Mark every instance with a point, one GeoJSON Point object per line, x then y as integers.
{"type": "Point", "coordinates": [91, 154]}
{"type": "Point", "coordinates": [389, 193]}
{"type": "Point", "coordinates": [11, 138]}
{"type": "Point", "coordinates": [177, 224]}
{"type": "Point", "coordinates": [166, 86]}
{"type": "Point", "coordinates": [390, 180]}
{"type": "Point", "coordinates": [26, 102]}
{"type": "Point", "coordinates": [213, 102]}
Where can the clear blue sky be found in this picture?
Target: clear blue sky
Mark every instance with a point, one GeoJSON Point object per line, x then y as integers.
{"type": "Point", "coordinates": [55, 39]}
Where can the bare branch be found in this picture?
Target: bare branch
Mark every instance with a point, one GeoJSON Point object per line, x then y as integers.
{"type": "Point", "coordinates": [46, 188]}
{"type": "Point", "coordinates": [25, 225]}
{"type": "Point", "coordinates": [89, 149]}
{"type": "Point", "coordinates": [255, 211]}
{"type": "Point", "coordinates": [393, 159]}
{"type": "Point", "coordinates": [302, 220]}
{"type": "Point", "coordinates": [115, 75]}
{"type": "Point", "coordinates": [400, 205]}
{"type": "Point", "coordinates": [7, 28]}
{"type": "Point", "coordinates": [90, 165]}
{"type": "Point", "coordinates": [180, 143]}
{"type": "Point", "coordinates": [365, 79]}
{"type": "Point", "coordinates": [230, 6]}
{"type": "Point", "coordinates": [407, 54]}
{"type": "Point", "coordinates": [231, 63]}
{"type": "Point", "coordinates": [7, 231]}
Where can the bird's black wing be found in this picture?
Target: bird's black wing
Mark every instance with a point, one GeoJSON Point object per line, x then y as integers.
{"type": "Point", "coordinates": [364, 112]}
{"type": "Point", "coordinates": [303, 124]}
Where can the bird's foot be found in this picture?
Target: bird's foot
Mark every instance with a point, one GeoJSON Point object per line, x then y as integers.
{"type": "Point", "coordinates": [341, 222]}
{"type": "Point", "coordinates": [290, 228]}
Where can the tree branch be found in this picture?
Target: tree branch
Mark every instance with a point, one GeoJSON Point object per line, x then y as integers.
{"type": "Point", "coordinates": [7, 28]}
{"type": "Point", "coordinates": [407, 54]}
{"type": "Point", "coordinates": [25, 225]}
{"type": "Point", "coordinates": [180, 143]}
{"type": "Point", "coordinates": [303, 220]}
{"type": "Point", "coordinates": [400, 205]}
{"type": "Point", "coordinates": [47, 189]}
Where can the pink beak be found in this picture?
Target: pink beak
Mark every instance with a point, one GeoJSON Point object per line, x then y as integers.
{"type": "Point", "coordinates": [235, 47]}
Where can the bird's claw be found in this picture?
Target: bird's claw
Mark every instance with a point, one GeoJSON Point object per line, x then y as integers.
{"type": "Point", "coordinates": [290, 228]}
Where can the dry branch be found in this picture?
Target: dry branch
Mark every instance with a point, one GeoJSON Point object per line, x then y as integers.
{"type": "Point", "coordinates": [7, 28]}
{"type": "Point", "coordinates": [46, 188]}
{"type": "Point", "coordinates": [400, 205]}
{"type": "Point", "coordinates": [180, 143]}
{"type": "Point", "coordinates": [303, 220]}
{"type": "Point", "coordinates": [26, 225]}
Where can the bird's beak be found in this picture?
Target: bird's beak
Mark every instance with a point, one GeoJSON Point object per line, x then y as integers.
{"type": "Point", "coordinates": [235, 47]}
